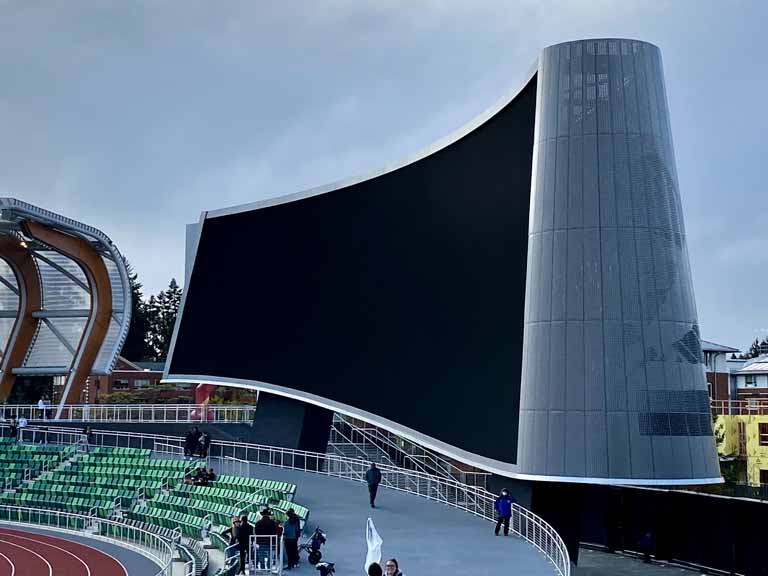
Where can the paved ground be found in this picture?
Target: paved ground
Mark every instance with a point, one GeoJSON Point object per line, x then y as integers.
{"type": "Point", "coordinates": [134, 563]}
{"type": "Point", "coordinates": [427, 538]}
{"type": "Point", "coordinates": [593, 563]}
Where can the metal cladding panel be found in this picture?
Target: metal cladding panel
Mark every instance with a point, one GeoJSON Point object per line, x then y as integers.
{"type": "Point", "coordinates": [608, 280]}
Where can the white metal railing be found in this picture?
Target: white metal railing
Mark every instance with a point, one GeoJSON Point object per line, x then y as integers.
{"type": "Point", "coordinates": [408, 454]}
{"type": "Point", "coordinates": [149, 544]}
{"type": "Point", "coordinates": [152, 413]}
{"type": "Point", "coordinates": [265, 555]}
{"type": "Point", "coordinates": [472, 499]}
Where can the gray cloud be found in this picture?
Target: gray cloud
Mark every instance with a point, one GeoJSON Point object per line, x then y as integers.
{"type": "Point", "coordinates": [136, 116]}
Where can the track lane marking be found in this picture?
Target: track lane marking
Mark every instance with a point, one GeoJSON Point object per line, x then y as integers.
{"type": "Point", "coordinates": [13, 566]}
{"type": "Point", "coordinates": [50, 568]}
{"type": "Point", "coordinates": [75, 556]}
{"type": "Point", "coordinates": [10, 531]}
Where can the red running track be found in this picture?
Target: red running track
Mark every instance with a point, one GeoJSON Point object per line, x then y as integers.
{"type": "Point", "coordinates": [29, 554]}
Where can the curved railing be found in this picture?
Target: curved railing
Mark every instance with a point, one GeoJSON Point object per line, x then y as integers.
{"type": "Point", "coordinates": [158, 549]}
{"type": "Point", "coordinates": [238, 457]}
{"type": "Point", "coordinates": [134, 413]}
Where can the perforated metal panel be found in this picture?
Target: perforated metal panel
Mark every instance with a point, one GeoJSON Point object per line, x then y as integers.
{"type": "Point", "coordinates": [116, 285]}
{"type": "Point", "coordinates": [9, 303]}
{"type": "Point", "coordinates": [47, 351]}
{"type": "Point", "coordinates": [103, 361]}
{"type": "Point", "coordinates": [60, 292]}
{"type": "Point", "coordinates": [612, 355]}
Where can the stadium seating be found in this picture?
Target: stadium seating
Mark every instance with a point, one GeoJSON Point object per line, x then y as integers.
{"type": "Point", "coordinates": [150, 493]}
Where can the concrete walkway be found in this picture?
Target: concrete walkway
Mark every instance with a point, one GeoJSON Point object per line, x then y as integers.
{"type": "Point", "coordinates": [427, 538]}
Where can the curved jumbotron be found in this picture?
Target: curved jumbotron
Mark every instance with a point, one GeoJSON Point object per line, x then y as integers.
{"type": "Point", "coordinates": [517, 297]}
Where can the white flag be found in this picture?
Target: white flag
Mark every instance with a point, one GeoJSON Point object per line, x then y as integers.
{"type": "Point", "coordinates": [374, 545]}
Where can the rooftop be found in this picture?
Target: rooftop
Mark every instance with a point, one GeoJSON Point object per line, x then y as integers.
{"type": "Point", "coordinates": [707, 346]}
{"type": "Point", "coordinates": [757, 365]}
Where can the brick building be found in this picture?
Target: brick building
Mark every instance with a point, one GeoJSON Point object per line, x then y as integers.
{"type": "Point", "coordinates": [718, 368]}
{"type": "Point", "coordinates": [136, 377]}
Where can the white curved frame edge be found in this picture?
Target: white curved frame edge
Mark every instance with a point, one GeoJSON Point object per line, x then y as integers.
{"type": "Point", "coordinates": [489, 464]}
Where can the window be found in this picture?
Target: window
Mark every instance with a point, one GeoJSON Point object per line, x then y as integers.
{"type": "Point", "coordinates": [120, 385]}
{"type": "Point", "coordinates": [184, 386]}
{"type": "Point", "coordinates": [750, 380]}
{"type": "Point", "coordinates": [142, 383]}
{"type": "Point", "coordinates": [763, 433]}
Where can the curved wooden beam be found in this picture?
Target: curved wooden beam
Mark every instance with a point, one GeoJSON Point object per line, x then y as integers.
{"type": "Point", "coordinates": [30, 297]}
{"type": "Point", "coordinates": [90, 261]}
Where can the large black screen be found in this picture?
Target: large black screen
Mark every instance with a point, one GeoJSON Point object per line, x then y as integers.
{"type": "Point", "coordinates": [402, 295]}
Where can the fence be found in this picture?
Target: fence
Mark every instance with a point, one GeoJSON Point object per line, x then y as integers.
{"type": "Point", "coordinates": [265, 555]}
{"type": "Point", "coordinates": [153, 546]}
{"type": "Point", "coordinates": [749, 407]}
{"type": "Point", "coordinates": [401, 451]}
{"type": "Point", "coordinates": [471, 499]}
{"type": "Point", "coordinates": [151, 413]}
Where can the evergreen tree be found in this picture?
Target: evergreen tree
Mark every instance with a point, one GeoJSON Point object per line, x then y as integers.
{"type": "Point", "coordinates": [135, 347]}
{"type": "Point", "coordinates": [755, 349]}
{"type": "Point", "coordinates": [162, 310]}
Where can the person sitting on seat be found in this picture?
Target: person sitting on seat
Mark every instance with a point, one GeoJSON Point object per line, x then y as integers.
{"type": "Point", "coordinates": [211, 475]}
{"type": "Point", "coordinates": [201, 477]}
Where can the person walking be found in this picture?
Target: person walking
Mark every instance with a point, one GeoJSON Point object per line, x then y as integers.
{"type": "Point", "coordinates": [41, 407]}
{"type": "Point", "coordinates": [14, 430]}
{"type": "Point", "coordinates": [503, 507]}
{"type": "Point", "coordinates": [373, 478]}
{"type": "Point", "coordinates": [244, 534]}
{"type": "Point", "coordinates": [291, 533]}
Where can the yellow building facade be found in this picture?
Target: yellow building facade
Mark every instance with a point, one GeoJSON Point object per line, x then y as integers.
{"type": "Point", "coordinates": [745, 436]}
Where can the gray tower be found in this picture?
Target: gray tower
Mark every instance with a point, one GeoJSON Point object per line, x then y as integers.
{"type": "Point", "coordinates": [613, 387]}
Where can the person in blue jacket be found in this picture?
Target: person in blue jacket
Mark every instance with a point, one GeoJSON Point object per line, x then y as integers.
{"type": "Point", "coordinates": [503, 508]}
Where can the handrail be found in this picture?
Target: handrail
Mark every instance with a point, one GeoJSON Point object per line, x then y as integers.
{"type": "Point", "coordinates": [149, 544]}
{"type": "Point", "coordinates": [420, 457]}
{"type": "Point", "coordinates": [471, 499]}
{"type": "Point", "coordinates": [155, 413]}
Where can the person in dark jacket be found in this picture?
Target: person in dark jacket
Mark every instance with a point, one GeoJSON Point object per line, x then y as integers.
{"type": "Point", "coordinates": [373, 478]}
{"type": "Point", "coordinates": [375, 569]}
{"type": "Point", "coordinates": [291, 533]}
{"type": "Point", "coordinates": [392, 568]}
{"type": "Point", "coordinates": [231, 535]}
{"type": "Point", "coordinates": [503, 507]}
{"type": "Point", "coordinates": [205, 444]}
{"type": "Point", "coordinates": [244, 533]}
{"type": "Point", "coordinates": [196, 445]}
{"type": "Point", "coordinates": [189, 443]}
{"type": "Point", "coordinates": [266, 546]}
{"type": "Point", "coordinates": [14, 430]}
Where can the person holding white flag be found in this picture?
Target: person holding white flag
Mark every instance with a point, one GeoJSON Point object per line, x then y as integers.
{"type": "Point", "coordinates": [374, 542]}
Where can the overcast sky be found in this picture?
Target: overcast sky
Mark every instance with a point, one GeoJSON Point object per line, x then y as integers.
{"type": "Point", "coordinates": [136, 116]}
